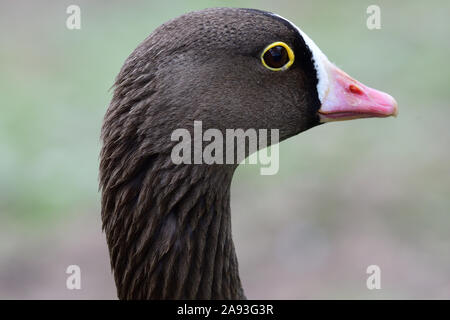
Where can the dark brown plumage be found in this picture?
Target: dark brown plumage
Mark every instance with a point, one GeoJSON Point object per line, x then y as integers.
{"type": "Point", "coordinates": [168, 226]}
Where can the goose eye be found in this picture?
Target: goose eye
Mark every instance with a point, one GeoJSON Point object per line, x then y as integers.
{"type": "Point", "coordinates": [277, 56]}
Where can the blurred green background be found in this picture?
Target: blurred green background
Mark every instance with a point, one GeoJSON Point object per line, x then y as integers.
{"type": "Point", "coordinates": [348, 195]}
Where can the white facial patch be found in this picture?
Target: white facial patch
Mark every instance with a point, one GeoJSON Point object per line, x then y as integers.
{"type": "Point", "coordinates": [320, 61]}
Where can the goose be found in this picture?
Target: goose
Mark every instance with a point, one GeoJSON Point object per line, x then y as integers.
{"type": "Point", "coordinates": [167, 225]}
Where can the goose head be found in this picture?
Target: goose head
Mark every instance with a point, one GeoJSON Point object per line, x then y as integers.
{"type": "Point", "coordinates": [168, 225]}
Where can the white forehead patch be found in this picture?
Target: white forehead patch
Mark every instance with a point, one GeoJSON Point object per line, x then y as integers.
{"type": "Point", "coordinates": [320, 60]}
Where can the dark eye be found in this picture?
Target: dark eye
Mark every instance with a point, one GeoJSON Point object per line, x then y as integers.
{"type": "Point", "coordinates": [277, 56]}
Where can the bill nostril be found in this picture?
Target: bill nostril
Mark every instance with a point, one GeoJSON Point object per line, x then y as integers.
{"type": "Point", "coordinates": [354, 89]}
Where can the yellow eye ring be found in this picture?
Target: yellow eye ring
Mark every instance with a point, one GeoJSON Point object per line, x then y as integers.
{"type": "Point", "coordinates": [289, 56]}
